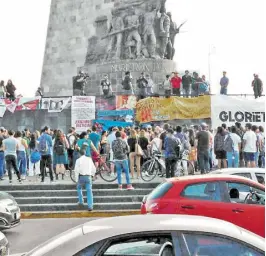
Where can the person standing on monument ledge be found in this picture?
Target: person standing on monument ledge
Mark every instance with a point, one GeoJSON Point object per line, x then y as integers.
{"type": "Point", "coordinates": [176, 84]}
{"type": "Point", "coordinates": [106, 87]}
{"type": "Point", "coordinates": [142, 86]}
{"type": "Point", "coordinates": [224, 82]}
{"type": "Point", "coordinates": [127, 84]}
{"type": "Point", "coordinates": [257, 86]}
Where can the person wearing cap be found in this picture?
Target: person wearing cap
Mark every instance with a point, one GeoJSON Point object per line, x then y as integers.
{"type": "Point", "coordinates": [203, 149]}
{"type": "Point", "coordinates": [257, 86]}
{"type": "Point", "coordinates": [224, 82]}
{"type": "Point", "coordinates": [186, 82]}
{"type": "Point", "coordinates": [176, 84]}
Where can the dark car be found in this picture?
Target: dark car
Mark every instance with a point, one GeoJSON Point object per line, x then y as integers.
{"type": "Point", "coordinates": [9, 211]}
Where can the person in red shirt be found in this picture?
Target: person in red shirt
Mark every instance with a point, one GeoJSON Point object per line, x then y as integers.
{"type": "Point", "coordinates": [176, 84]}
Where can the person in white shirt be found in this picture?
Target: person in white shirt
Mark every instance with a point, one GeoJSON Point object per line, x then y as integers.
{"type": "Point", "coordinates": [111, 137]}
{"type": "Point", "coordinates": [233, 157]}
{"type": "Point", "coordinates": [250, 146]}
{"type": "Point", "coordinates": [156, 144]}
{"type": "Point", "coordinates": [84, 171]}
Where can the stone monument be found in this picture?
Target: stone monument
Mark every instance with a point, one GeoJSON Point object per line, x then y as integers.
{"type": "Point", "coordinates": [119, 36]}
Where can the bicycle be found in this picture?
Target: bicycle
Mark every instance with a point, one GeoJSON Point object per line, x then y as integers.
{"type": "Point", "coordinates": [104, 170]}
{"type": "Point", "coordinates": [156, 167]}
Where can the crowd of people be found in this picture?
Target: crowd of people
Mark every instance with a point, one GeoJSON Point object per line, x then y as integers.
{"type": "Point", "coordinates": [187, 86]}
{"type": "Point", "coordinates": [32, 154]}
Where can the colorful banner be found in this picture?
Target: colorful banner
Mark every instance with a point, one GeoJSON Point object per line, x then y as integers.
{"type": "Point", "coordinates": [28, 103]}
{"type": "Point", "coordinates": [107, 124]}
{"type": "Point", "coordinates": [105, 103]}
{"type": "Point", "coordinates": [126, 102]}
{"type": "Point", "coordinates": [82, 111]}
{"type": "Point", "coordinates": [2, 108]}
{"type": "Point", "coordinates": [11, 105]}
{"type": "Point", "coordinates": [57, 105]}
{"type": "Point", "coordinates": [159, 109]}
{"type": "Point", "coordinates": [229, 110]}
{"type": "Point", "coordinates": [105, 113]}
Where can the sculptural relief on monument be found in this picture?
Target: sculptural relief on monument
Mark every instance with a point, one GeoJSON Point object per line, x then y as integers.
{"type": "Point", "coordinates": [136, 29]}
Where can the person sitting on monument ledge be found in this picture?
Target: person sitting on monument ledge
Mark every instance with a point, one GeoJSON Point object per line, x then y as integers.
{"type": "Point", "coordinates": [39, 92]}
{"type": "Point", "coordinates": [127, 84]}
{"type": "Point", "coordinates": [106, 87]}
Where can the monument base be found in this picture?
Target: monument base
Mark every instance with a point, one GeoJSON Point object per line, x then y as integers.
{"type": "Point", "coordinates": [157, 69]}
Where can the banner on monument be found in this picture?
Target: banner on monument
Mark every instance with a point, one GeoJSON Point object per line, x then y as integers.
{"type": "Point", "coordinates": [2, 108]}
{"type": "Point", "coordinates": [122, 112]}
{"type": "Point", "coordinates": [229, 110]}
{"type": "Point", "coordinates": [57, 105]}
{"type": "Point", "coordinates": [126, 102]}
{"type": "Point", "coordinates": [82, 112]}
{"type": "Point", "coordinates": [105, 103]}
{"type": "Point", "coordinates": [11, 105]}
{"type": "Point", "coordinates": [159, 109]}
{"type": "Point", "coordinates": [28, 103]}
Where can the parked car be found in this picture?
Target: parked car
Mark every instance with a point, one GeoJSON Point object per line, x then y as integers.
{"type": "Point", "coordinates": [153, 235]}
{"type": "Point", "coordinates": [9, 211]}
{"type": "Point", "coordinates": [236, 199]}
{"type": "Point", "coordinates": [256, 174]}
{"type": "Point", "coordinates": [4, 245]}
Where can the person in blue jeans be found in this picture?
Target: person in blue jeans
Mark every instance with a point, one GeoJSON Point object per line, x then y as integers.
{"type": "Point", "coordinates": [233, 155]}
{"type": "Point", "coordinates": [120, 149]}
{"type": "Point", "coordinates": [2, 159]}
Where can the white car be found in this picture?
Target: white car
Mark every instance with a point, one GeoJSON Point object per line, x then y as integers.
{"type": "Point", "coordinates": [255, 174]}
{"type": "Point", "coordinates": [154, 235]}
{"type": "Point", "coordinates": [4, 245]}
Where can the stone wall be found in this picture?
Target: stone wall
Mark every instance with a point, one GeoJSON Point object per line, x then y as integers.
{"type": "Point", "coordinates": [36, 120]}
{"type": "Point", "coordinates": [71, 23]}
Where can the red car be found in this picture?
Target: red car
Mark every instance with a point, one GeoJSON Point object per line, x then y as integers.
{"type": "Point", "coordinates": [236, 199]}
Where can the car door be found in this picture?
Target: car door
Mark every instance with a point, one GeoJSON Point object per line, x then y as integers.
{"type": "Point", "coordinates": [249, 216]}
{"type": "Point", "coordinates": [202, 199]}
{"type": "Point", "coordinates": [157, 243]}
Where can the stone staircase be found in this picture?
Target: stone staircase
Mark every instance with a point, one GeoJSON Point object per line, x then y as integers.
{"type": "Point", "coordinates": [63, 197]}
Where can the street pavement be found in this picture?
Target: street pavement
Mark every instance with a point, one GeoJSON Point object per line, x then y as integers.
{"type": "Point", "coordinates": [31, 233]}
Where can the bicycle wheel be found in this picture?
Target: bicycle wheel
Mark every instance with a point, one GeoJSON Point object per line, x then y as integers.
{"type": "Point", "coordinates": [106, 171]}
{"type": "Point", "coordinates": [72, 175]}
{"type": "Point", "coordinates": [149, 170]}
{"type": "Point", "coordinates": [187, 166]}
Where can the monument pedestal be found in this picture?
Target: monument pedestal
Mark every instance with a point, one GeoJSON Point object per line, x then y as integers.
{"type": "Point", "coordinates": [156, 68]}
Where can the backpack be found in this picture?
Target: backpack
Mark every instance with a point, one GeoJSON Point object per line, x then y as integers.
{"type": "Point", "coordinates": [228, 144]}
{"type": "Point", "coordinates": [60, 148]}
{"type": "Point", "coordinates": [71, 146]}
{"type": "Point", "coordinates": [118, 149]}
{"type": "Point", "coordinates": [126, 84]}
{"type": "Point", "coordinates": [43, 146]}
{"type": "Point", "coordinates": [35, 157]}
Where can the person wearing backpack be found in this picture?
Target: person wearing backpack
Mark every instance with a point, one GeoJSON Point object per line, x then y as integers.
{"type": "Point", "coordinates": [72, 140]}
{"type": "Point", "coordinates": [232, 146]}
{"type": "Point", "coordinates": [120, 149]}
{"type": "Point", "coordinates": [34, 156]}
{"type": "Point", "coordinates": [127, 84]}
{"type": "Point", "coordinates": [45, 149]}
{"type": "Point", "coordinates": [60, 154]}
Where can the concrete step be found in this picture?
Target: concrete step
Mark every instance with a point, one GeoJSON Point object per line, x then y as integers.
{"type": "Point", "coordinates": [58, 186]}
{"type": "Point", "coordinates": [73, 199]}
{"type": "Point", "coordinates": [75, 207]}
{"type": "Point", "coordinates": [73, 192]}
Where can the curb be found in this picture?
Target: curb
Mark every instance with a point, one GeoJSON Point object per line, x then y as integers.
{"type": "Point", "coordinates": [78, 214]}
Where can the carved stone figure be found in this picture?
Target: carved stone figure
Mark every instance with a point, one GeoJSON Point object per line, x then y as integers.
{"type": "Point", "coordinates": [149, 38]}
{"type": "Point", "coordinates": [116, 35]}
{"type": "Point", "coordinates": [133, 37]}
{"type": "Point", "coordinates": [164, 32]}
{"type": "Point", "coordinates": [174, 30]}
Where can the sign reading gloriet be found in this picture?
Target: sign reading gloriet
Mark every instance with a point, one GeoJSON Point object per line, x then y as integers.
{"type": "Point", "coordinates": [230, 110]}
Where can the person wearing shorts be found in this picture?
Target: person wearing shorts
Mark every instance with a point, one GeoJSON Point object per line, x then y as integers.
{"type": "Point", "coordinates": [250, 146]}
{"type": "Point", "coordinates": [219, 148]}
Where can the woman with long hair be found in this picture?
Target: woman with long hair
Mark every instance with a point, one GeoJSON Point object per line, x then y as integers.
{"type": "Point", "coordinates": [10, 90]}
{"type": "Point", "coordinates": [60, 153]}
{"type": "Point", "coordinates": [104, 143]}
{"type": "Point", "coordinates": [134, 156]}
{"type": "Point", "coordinates": [21, 155]}
{"type": "Point", "coordinates": [193, 151]}
{"type": "Point", "coordinates": [2, 89]}
{"type": "Point", "coordinates": [143, 142]}
{"type": "Point", "coordinates": [219, 148]}
{"type": "Point", "coordinates": [34, 168]}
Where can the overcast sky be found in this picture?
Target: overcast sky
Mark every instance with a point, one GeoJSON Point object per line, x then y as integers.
{"type": "Point", "coordinates": [236, 28]}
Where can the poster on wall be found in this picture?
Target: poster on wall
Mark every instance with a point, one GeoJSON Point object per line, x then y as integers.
{"type": "Point", "coordinates": [57, 105]}
{"type": "Point", "coordinates": [105, 103]}
{"type": "Point", "coordinates": [82, 112]}
{"type": "Point", "coordinates": [126, 102]}
{"type": "Point", "coordinates": [229, 110]}
{"type": "Point", "coordinates": [2, 108]}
